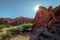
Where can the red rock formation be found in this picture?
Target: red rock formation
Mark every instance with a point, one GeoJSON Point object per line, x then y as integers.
{"type": "Point", "coordinates": [46, 17]}
{"type": "Point", "coordinates": [49, 17]}
{"type": "Point", "coordinates": [57, 10]}
{"type": "Point", "coordinates": [42, 17]}
{"type": "Point", "coordinates": [57, 16]}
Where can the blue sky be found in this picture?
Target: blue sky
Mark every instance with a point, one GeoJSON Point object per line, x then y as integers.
{"type": "Point", "coordinates": [17, 8]}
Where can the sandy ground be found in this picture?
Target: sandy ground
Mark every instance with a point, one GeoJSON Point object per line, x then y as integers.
{"type": "Point", "coordinates": [21, 37]}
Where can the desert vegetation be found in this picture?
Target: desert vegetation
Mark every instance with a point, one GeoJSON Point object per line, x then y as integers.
{"type": "Point", "coordinates": [5, 26]}
{"type": "Point", "coordinates": [14, 30]}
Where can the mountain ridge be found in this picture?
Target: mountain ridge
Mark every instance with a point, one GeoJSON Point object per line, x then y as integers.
{"type": "Point", "coordinates": [15, 20]}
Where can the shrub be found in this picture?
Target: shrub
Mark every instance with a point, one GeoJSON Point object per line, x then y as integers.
{"type": "Point", "coordinates": [29, 25]}
{"type": "Point", "coordinates": [12, 31]}
{"type": "Point", "coordinates": [25, 27]}
{"type": "Point", "coordinates": [15, 31]}
{"type": "Point", "coordinates": [7, 25]}
{"type": "Point", "coordinates": [4, 26]}
{"type": "Point", "coordinates": [20, 28]}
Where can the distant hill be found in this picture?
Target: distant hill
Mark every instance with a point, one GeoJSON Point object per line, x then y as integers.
{"type": "Point", "coordinates": [15, 21]}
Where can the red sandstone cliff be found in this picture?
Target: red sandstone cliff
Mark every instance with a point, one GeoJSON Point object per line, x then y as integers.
{"type": "Point", "coordinates": [46, 17]}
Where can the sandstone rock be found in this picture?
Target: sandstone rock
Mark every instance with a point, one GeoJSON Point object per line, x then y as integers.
{"type": "Point", "coordinates": [46, 17]}
{"type": "Point", "coordinates": [42, 17]}
{"type": "Point", "coordinates": [57, 11]}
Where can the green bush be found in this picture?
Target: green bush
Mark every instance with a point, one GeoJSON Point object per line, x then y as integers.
{"type": "Point", "coordinates": [20, 28]}
{"type": "Point", "coordinates": [4, 26]}
{"type": "Point", "coordinates": [29, 25]}
{"type": "Point", "coordinates": [7, 25]}
{"type": "Point", "coordinates": [16, 30]}
{"type": "Point", "coordinates": [12, 31]}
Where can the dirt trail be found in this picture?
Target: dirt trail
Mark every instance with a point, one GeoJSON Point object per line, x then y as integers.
{"type": "Point", "coordinates": [24, 36]}
{"type": "Point", "coordinates": [3, 31]}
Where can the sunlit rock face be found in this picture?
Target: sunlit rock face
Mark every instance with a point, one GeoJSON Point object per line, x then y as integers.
{"type": "Point", "coordinates": [42, 17]}
{"type": "Point", "coordinates": [46, 16]}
